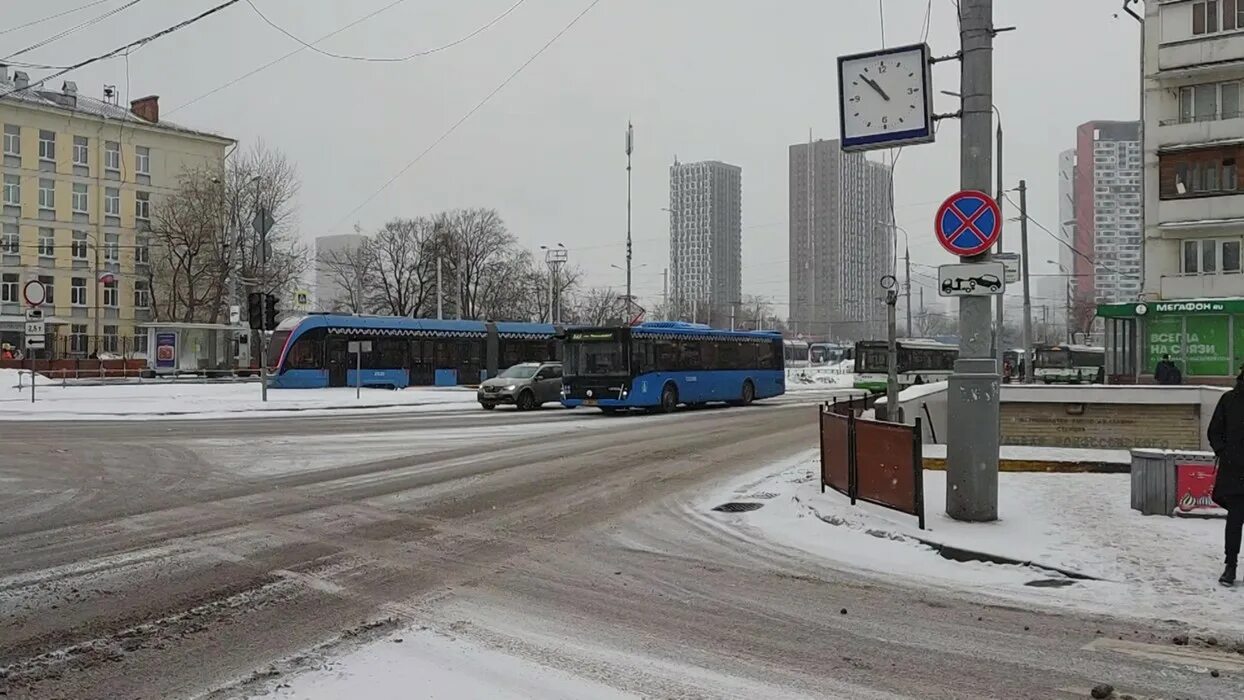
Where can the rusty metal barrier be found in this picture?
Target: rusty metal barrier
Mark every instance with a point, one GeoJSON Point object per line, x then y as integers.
{"type": "Point", "coordinates": [873, 461]}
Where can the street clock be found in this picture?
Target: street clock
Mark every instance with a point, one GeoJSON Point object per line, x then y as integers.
{"type": "Point", "coordinates": [884, 98]}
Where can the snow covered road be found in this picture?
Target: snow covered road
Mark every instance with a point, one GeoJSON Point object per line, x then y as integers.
{"type": "Point", "coordinates": [558, 554]}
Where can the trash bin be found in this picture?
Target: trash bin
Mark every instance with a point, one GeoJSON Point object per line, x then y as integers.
{"type": "Point", "coordinates": [1169, 482]}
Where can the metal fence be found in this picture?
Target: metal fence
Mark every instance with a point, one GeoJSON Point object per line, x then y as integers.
{"type": "Point", "coordinates": [872, 461]}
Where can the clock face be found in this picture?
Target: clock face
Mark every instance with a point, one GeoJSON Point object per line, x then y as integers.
{"type": "Point", "coordinates": [884, 98]}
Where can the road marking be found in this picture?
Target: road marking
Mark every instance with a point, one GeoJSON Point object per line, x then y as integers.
{"type": "Point", "coordinates": [1185, 656]}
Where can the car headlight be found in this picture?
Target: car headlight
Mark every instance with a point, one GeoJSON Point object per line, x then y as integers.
{"type": "Point", "coordinates": [510, 388]}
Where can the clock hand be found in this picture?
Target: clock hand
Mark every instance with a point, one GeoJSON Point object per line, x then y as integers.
{"type": "Point", "coordinates": [876, 87]}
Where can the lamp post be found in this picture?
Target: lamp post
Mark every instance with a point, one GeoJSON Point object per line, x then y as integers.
{"type": "Point", "coordinates": [630, 142]}
{"type": "Point", "coordinates": [907, 264]}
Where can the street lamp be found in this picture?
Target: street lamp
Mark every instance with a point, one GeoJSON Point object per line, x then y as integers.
{"type": "Point", "coordinates": [907, 262]}
{"type": "Point", "coordinates": [554, 257]}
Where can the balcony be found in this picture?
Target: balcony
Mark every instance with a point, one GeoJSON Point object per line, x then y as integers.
{"type": "Point", "coordinates": [1198, 286]}
{"type": "Point", "coordinates": [1171, 133]}
{"type": "Point", "coordinates": [1200, 209]}
{"type": "Point", "coordinates": [1224, 52]}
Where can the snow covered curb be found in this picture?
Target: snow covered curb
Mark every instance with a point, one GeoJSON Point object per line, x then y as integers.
{"type": "Point", "coordinates": [1149, 567]}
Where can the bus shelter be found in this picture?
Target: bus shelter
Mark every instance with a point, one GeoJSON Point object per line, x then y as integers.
{"type": "Point", "coordinates": [191, 348]}
{"type": "Point", "coordinates": [1204, 337]}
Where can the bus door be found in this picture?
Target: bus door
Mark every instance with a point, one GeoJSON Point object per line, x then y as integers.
{"type": "Point", "coordinates": [338, 360]}
{"type": "Point", "coordinates": [422, 368]}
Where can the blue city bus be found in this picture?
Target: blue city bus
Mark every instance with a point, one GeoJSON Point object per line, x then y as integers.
{"type": "Point", "coordinates": [312, 351]}
{"type": "Point", "coordinates": [661, 364]}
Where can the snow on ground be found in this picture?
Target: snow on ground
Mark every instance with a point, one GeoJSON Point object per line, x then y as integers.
{"type": "Point", "coordinates": [428, 665]}
{"type": "Point", "coordinates": [191, 400]}
{"type": "Point", "coordinates": [1152, 567]}
{"type": "Point", "coordinates": [821, 376]}
{"type": "Point", "coordinates": [1046, 454]}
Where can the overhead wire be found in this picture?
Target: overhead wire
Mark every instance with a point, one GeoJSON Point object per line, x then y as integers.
{"type": "Point", "coordinates": [1060, 240]}
{"type": "Point", "coordinates": [54, 16]}
{"type": "Point", "coordinates": [77, 27]}
{"type": "Point", "coordinates": [384, 59]}
{"type": "Point", "coordinates": [453, 127]}
{"type": "Point", "coordinates": [132, 45]}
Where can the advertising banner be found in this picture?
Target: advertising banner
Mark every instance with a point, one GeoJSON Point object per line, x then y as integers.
{"type": "Point", "coordinates": [166, 350]}
{"type": "Point", "coordinates": [1193, 485]}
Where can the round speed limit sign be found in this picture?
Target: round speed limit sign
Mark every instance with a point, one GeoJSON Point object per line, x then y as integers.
{"type": "Point", "coordinates": [34, 293]}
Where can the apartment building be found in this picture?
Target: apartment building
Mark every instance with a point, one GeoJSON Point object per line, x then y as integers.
{"type": "Point", "coordinates": [840, 243]}
{"type": "Point", "coordinates": [1192, 305]}
{"type": "Point", "coordinates": [1108, 213]}
{"type": "Point", "coordinates": [706, 240]}
{"type": "Point", "coordinates": [80, 178]}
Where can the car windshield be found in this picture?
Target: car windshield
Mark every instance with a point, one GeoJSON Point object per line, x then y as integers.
{"type": "Point", "coordinates": [520, 372]}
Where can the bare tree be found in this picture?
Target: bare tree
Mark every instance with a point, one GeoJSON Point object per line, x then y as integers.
{"type": "Point", "coordinates": [601, 306]}
{"type": "Point", "coordinates": [187, 274]}
{"type": "Point", "coordinates": [932, 322]}
{"type": "Point", "coordinates": [470, 240]}
{"type": "Point", "coordinates": [404, 278]}
{"type": "Point", "coordinates": [351, 271]}
{"type": "Point", "coordinates": [1083, 312]}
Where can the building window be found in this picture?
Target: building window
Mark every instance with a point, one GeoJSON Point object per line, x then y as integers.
{"type": "Point", "coordinates": [1210, 256]}
{"type": "Point", "coordinates": [81, 150]}
{"type": "Point", "coordinates": [11, 240]}
{"type": "Point", "coordinates": [140, 342]}
{"type": "Point", "coordinates": [142, 294]}
{"type": "Point", "coordinates": [77, 291]}
{"type": "Point", "coordinates": [142, 160]}
{"type": "Point", "coordinates": [142, 252]}
{"type": "Point", "coordinates": [49, 289]}
{"type": "Point", "coordinates": [47, 243]}
{"type": "Point", "coordinates": [13, 190]}
{"type": "Point", "coordinates": [111, 251]}
{"type": "Point", "coordinates": [77, 338]}
{"type": "Point", "coordinates": [1204, 173]}
{"type": "Point", "coordinates": [47, 194]}
{"type": "Point", "coordinates": [110, 339]}
{"type": "Point", "coordinates": [142, 206]}
{"type": "Point", "coordinates": [112, 155]}
{"type": "Point", "coordinates": [12, 140]}
{"type": "Point", "coordinates": [1214, 16]}
{"type": "Point", "coordinates": [1230, 256]}
{"type": "Point", "coordinates": [1209, 102]}
{"type": "Point", "coordinates": [47, 145]}
{"type": "Point", "coordinates": [80, 197]}
{"type": "Point", "coordinates": [78, 248]}
{"type": "Point", "coordinates": [110, 293]}
{"type": "Point", "coordinates": [8, 287]}
{"type": "Point", "coordinates": [112, 201]}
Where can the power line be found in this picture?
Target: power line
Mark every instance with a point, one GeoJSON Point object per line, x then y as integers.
{"type": "Point", "coordinates": [132, 45]}
{"type": "Point", "coordinates": [1058, 238]}
{"type": "Point", "coordinates": [468, 115]}
{"type": "Point", "coordinates": [381, 59]}
{"type": "Point", "coordinates": [81, 25]}
{"type": "Point", "coordinates": [52, 17]}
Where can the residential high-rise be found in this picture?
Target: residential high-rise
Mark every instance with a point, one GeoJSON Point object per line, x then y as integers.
{"type": "Point", "coordinates": [1109, 219]}
{"type": "Point", "coordinates": [706, 240]}
{"type": "Point", "coordinates": [841, 244]}
{"type": "Point", "coordinates": [82, 178]}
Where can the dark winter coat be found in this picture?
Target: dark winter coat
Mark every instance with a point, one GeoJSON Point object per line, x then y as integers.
{"type": "Point", "coordinates": [1167, 372]}
{"type": "Point", "coordinates": [1226, 436]}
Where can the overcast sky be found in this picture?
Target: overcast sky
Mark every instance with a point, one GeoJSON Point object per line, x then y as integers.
{"type": "Point", "coordinates": [732, 80]}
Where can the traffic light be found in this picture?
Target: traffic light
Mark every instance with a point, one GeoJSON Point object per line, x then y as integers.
{"type": "Point", "coordinates": [269, 312]}
{"type": "Point", "coordinates": [254, 310]}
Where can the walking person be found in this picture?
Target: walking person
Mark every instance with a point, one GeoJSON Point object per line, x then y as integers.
{"type": "Point", "coordinates": [1226, 437]}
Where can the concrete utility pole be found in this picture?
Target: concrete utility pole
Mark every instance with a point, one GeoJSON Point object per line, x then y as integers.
{"type": "Point", "coordinates": [1000, 300]}
{"type": "Point", "coordinates": [971, 450]}
{"type": "Point", "coordinates": [630, 142]}
{"type": "Point", "coordinates": [907, 286]}
{"type": "Point", "coordinates": [440, 298]}
{"type": "Point", "coordinates": [1023, 256]}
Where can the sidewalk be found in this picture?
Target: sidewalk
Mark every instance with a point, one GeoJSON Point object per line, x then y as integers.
{"type": "Point", "coordinates": [1148, 566]}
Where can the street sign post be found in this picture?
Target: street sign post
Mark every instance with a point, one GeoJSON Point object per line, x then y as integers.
{"type": "Point", "coordinates": [358, 347]}
{"type": "Point", "coordinates": [971, 279]}
{"type": "Point", "coordinates": [36, 337]}
{"type": "Point", "coordinates": [968, 223]}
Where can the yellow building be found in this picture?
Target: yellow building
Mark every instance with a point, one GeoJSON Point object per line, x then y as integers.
{"type": "Point", "coordinates": [80, 176]}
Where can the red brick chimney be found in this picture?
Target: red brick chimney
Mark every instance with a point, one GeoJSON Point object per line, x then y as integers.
{"type": "Point", "coordinates": [147, 108]}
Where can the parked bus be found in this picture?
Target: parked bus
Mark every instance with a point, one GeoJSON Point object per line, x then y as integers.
{"type": "Point", "coordinates": [795, 353]}
{"type": "Point", "coordinates": [1069, 364]}
{"type": "Point", "coordinates": [829, 353]}
{"type": "Point", "coordinates": [661, 364]}
{"type": "Point", "coordinates": [313, 351]}
{"type": "Point", "coordinates": [919, 362]}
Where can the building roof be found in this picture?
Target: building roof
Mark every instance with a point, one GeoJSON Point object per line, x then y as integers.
{"type": "Point", "coordinates": [89, 107]}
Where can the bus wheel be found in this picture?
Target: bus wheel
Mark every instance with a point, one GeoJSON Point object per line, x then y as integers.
{"type": "Point", "coordinates": [669, 399]}
{"type": "Point", "coordinates": [526, 401]}
{"type": "Point", "coordinates": [749, 392]}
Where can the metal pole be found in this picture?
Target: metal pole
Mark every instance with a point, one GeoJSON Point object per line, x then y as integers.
{"type": "Point", "coordinates": [665, 292]}
{"type": "Point", "coordinates": [1023, 255]}
{"type": "Point", "coordinates": [891, 385]}
{"type": "Point", "coordinates": [263, 285]}
{"type": "Point", "coordinates": [358, 372]}
{"type": "Point", "coordinates": [972, 453]}
{"type": "Point", "coordinates": [907, 282]}
{"type": "Point", "coordinates": [1000, 300]}
{"type": "Point", "coordinates": [32, 374]}
{"type": "Point", "coordinates": [552, 285]}
{"type": "Point", "coordinates": [629, 147]}
{"type": "Point", "coordinates": [440, 298]}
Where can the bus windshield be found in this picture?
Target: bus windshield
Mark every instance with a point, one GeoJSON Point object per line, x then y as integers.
{"type": "Point", "coordinates": [1053, 358]}
{"type": "Point", "coordinates": [873, 360]}
{"type": "Point", "coordinates": [595, 359]}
